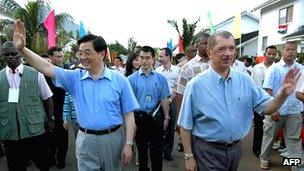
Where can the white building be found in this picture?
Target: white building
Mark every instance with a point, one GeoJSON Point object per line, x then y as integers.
{"type": "Point", "coordinates": [5, 13]}
{"type": "Point", "coordinates": [280, 21]}
{"type": "Point", "coordinates": [249, 30]}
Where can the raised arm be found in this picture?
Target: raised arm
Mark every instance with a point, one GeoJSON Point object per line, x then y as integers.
{"type": "Point", "coordinates": [32, 58]}
{"type": "Point", "coordinates": [287, 88]}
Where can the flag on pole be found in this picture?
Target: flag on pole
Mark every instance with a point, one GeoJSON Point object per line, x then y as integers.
{"type": "Point", "coordinates": [236, 25]}
{"type": "Point", "coordinates": [169, 44]}
{"type": "Point", "coordinates": [180, 44]}
{"type": "Point", "coordinates": [49, 24]}
{"type": "Point", "coordinates": [211, 27]}
{"type": "Point", "coordinates": [82, 31]}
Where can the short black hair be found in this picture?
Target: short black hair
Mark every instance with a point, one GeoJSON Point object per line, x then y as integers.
{"type": "Point", "coordinates": [199, 36]}
{"type": "Point", "coordinates": [179, 55]}
{"type": "Point", "coordinates": [148, 49]}
{"type": "Point", "coordinates": [249, 60]}
{"type": "Point", "coordinates": [53, 49]}
{"type": "Point", "coordinates": [290, 43]}
{"type": "Point", "coordinates": [168, 52]}
{"type": "Point", "coordinates": [270, 47]}
{"type": "Point", "coordinates": [44, 56]}
{"type": "Point", "coordinates": [99, 43]}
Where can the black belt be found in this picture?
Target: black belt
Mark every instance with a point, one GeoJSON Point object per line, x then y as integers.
{"type": "Point", "coordinates": [226, 144]}
{"type": "Point", "coordinates": [101, 132]}
{"type": "Point", "coordinates": [223, 144]}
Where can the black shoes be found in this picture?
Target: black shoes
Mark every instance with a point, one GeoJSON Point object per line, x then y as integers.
{"type": "Point", "coordinates": [60, 165]}
{"type": "Point", "coordinates": [168, 157]}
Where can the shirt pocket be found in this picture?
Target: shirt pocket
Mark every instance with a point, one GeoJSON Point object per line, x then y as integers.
{"type": "Point", "coordinates": [109, 104]}
{"type": "Point", "coordinates": [35, 123]}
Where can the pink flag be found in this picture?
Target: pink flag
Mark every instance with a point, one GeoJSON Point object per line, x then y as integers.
{"type": "Point", "coordinates": [49, 24]}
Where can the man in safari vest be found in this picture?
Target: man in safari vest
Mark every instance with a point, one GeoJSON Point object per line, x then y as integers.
{"type": "Point", "coordinates": [24, 92]}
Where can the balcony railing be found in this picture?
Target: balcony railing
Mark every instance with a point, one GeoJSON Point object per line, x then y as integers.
{"type": "Point", "coordinates": [5, 10]}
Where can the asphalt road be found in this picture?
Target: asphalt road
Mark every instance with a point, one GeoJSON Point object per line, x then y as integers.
{"type": "Point", "coordinates": [248, 162]}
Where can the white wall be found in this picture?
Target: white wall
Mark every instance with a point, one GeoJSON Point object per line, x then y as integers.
{"type": "Point", "coordinates": [250, 49]}
{"type": "Point", "coordinates": [269, 22]}
{"type": "Point", "coordinates": [247, 25]}
{"type": "Point", "coordinates": [4, 16]}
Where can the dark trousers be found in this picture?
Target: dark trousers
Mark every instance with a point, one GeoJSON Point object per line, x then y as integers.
{"type": "Point", "coordinates": [58, 143]}
{"type": "Point", "coordinates": [214, 157]}
{"type": "Point", "coordinates": [169, 133]}
{"type": "Point", "coordinates": [257, 133]}
{"type": "Point", "coordinates": [149, 134]}
{"type": "Point", "coordinates": [19, 152]}
{"type": "Point", "coordinates": [2, 153]}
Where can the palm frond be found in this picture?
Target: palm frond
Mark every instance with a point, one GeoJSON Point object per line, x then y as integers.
{"type": "Point", "coordinates": [173, 23]}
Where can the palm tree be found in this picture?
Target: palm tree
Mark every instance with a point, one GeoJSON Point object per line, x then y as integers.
{"type": "Point", "coordinates": [187, 32]}
{"type": "Point", "coordinates": [33, 15]}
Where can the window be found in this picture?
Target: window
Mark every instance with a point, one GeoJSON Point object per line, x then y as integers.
{"type": "Point", "coordinates": [285, 15]}
{"type": "Point", "coordinates": [302, 49]}
{"type": "Point", "coordinates": [264, 43]}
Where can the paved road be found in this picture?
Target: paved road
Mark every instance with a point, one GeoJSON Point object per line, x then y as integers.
{"type": "Point", "coordinates": [248, 162]}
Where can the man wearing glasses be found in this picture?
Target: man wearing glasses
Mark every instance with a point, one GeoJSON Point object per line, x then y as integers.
{"type": "Point", "coordinates": [103, 101]}
{"type": "Point", "coordinates": [22, 113]}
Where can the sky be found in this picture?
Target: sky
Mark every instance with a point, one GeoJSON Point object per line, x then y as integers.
{"type": "Point", "coordinates": [146, 20]}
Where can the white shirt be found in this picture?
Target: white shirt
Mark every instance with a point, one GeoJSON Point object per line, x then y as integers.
{"type": "Point", "coordinates": [119, 69]}
{"type": "Point", "coordinates": [258, 74]}
{"type": "Point", "coordinates": [239, 66]}
{"type": "Point", "coordinates": [171, 76]}
{"type": "Point", "coordinates": [300, 84]}
{"type": "Point", "coordinates": [14, 81]}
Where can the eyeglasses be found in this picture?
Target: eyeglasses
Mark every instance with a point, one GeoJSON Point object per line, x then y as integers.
{"type": "Point", "coordinates": [84, 53]}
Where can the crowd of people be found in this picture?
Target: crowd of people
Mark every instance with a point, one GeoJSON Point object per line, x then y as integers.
{"type": "Point", "coordinates": [206, 95]}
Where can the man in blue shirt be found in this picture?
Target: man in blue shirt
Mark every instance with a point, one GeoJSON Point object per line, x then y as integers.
{"type": "Point", "coordinates": [152, 91]}
{"type": "Point", "coordinates": [217, 108]}
{"type": "Point", "coordinates": [289, 115]}
{"type": "Point", "coordinates": [103, 101]}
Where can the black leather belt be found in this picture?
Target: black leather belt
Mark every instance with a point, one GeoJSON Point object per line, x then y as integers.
{"type": "Point", "coordinates": [227, 144]}
{"type": "Point", "coordinates": [101, 132]}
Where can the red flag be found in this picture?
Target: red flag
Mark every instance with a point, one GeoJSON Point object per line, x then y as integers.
{"type": "Point", "coordinates": [49, 24]}
{"type": "Point", "coordinates": [180, 44]}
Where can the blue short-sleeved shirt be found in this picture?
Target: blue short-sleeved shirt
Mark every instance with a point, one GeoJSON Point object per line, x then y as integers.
{"type": "Point", "coordinates": [273, 80]}
{"type": "Point", "coordinates": [149, 90]}
{"type": "Point", "coordinates": [100, 104]}
{"type": "Point", "coordinates": [219, 110]}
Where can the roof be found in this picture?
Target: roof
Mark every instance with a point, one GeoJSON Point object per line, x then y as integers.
{"type": "Point", "coordinates": [5, 10]}
{"type": "Point", "coordinates": [246, 37]}
{"type": "Point", "coordinates": [265, 4]}
{"type": "Point", "coordinates": [242, 14]}
{"type": "Point", "coordinates": [296, 34]}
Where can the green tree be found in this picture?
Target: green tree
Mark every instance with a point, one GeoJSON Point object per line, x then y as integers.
{"type": "Point", "coordinates": [187, 32]}
{"type": "Point", "coordinates": [131, 44]}
{"type": "Point", "coordinates": [33, 15]}
{"type": "Point", "coordinates": [117, 47]}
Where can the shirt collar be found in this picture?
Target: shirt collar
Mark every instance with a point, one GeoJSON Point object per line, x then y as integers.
{"type": "Point", "coordinates": [162, 68]}
{"type": "Point", "coordinates": [19, 69]}
{"type": "Point", "coordinates": [140, 71]}
{"type": "Point", "coordinates": [282, 63]}
{"type": "Point", "coordinates": [218, 78]}
{"type": "Point", "coordinates": [106, 74]}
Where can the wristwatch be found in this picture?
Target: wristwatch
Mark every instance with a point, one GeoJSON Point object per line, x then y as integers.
{"type": "Point", "coordinates": [188, 156]}
{"type": "Point", "coordinates": [51, 117]}
{"type": "Point", "coordinates": [167, 117]}
{"type": "Point", "coordinates": [129, 143]}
